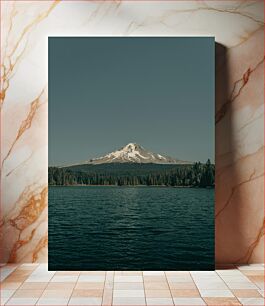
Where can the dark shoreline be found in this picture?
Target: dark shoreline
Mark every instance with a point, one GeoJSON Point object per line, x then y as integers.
{"type": "Point", "coordinates": [162, 186]}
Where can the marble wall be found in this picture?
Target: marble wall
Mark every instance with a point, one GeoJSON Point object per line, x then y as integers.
{"type": "Point", "coordinates": [238, 29]}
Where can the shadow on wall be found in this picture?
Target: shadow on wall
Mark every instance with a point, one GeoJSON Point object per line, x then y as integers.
{"type": "Point", "coordinates": [221, 105]}
{"type": "Point", "coordinates": [234, 240]}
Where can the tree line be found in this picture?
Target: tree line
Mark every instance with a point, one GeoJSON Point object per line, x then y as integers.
{"type": "Point", "coordinates": [195, 175]}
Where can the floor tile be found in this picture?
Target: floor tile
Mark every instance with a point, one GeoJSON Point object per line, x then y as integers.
{"type": "Point", "coordinates": [215, 301]}
{"type": "Point", "coordinates": [209, 280]}
{"type": "Point", "coordinates": [3, 300]}
{"type": "Point", "coordinates": [232, 272]}
{"type": "Point", "coordinates": [22, 301]}
{"type": "Point", "coordinates": [154, 278]}
{"type": "Point", "coordinates": [181, 293]}
{"type": "Point", "coordinates": [16, 278]}
{"type": "Point", "coordinates": [56, 294]}
{"type": "Point", "coordinates": [68, 273]}
{"type": "Point", "coordinates": [241, 285]}
{"type": "Point", "coordinates": [128, 279]}
{"type": "Point", "coordinates": [128, 273]}
{"type": "Point", "coordinates": [128, 301]}
{"type": "Point", "coordinates": [6, 293]}
{"type": "Point", "coordinates": [128, 286]}
{"type": "Point", "coordinates": [53, 301]}
{"type": "Point", "coordinates": [88, 285]}
{"type": "Point", "coordinates": [91, 278]}
{"type": "Point", "coordinates": [39, 278]}
{"type": "Point", "coordinates": [253, 272]}
{"type": "Point", "coordinates": [29, 266]}
{"type": "Point", "coordinates": [10, 285]}
{"type": "Point", "coordinates": [156, 286]}
{"type": "Point", "coordinates": [6, 271]}
{"type": "Point", "coordinates": [252, 301]}
{"type": "Point", "coordinates": [85, 301]}
{"type": "Point", "coordinates": [109, 277]}
{"type": "Point", "coordinates": [64, 278]}
{"type": "Point", "coordinates": [42, 270]}
{"type": "Point", "coordinates": [179, 279]}
{"type": "Point", "coordinates": [251, 267]}
{"type": "Point", "coordinates": [182, 286]}
{"type": "Point", "coordinates": [246, 293]}
{"type": "Point", "coordinates": [261, 292]}
{"type": "Point", "coordinates": [216, 293]}
{"type": "Point", "coordinates": [109, 285]}
{"type": "Point", "coordinates": [42, 273]}
{"type": "Point", "coordinates": [206, 278]}
{"type": "Point", "coordinates": [107, 297]}
{"type": "Point", "coordinates": [128, 293]}
{"type": "Point", "coordinates": [256, 278]}
{"type": "Point", "coordinates": [159, 301]}
{"type": "Point", "coordinates": [43, 266]}
{"type": "Point", "coordinates": [153, 273]}
{"type": "Point", "coordinates": [235, 278]}
{"type": "Point", "coordinates": [87, 293]}
{"type": "Point", "coordinates": [157, 293]}
{"type": "Point", "coordinates": [188, 301]}
{"type": "Point", "coordinates": [260, 285]}
{"type": "Point", "coordinates": [60, 286]}
{"type": "Point", "coordinates": [33, 286]}
{"type": "Point", "coordinates": [202, 273]}
{"type": "Point", "coordinates": [177, 273]}
{"type": "Point", "coordinates": [97, 273]}
{"type": "Point", "coordinates": [211, 285]}
{"type": "Point", "coordinates": [21, 272]}
{"type": "Point", "coordinates": [109, 280]}
{"type": "Point", "coordinates": [28, 293]}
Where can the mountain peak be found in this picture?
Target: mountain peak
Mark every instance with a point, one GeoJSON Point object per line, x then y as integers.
{"type": "Point", "coordinates": [131, 147]}
{"type": "Point", "coordinates": [134, 153]}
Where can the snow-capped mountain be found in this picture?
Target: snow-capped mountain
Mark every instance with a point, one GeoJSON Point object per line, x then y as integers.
{"type": "Point", "coordinates": [134, 153]}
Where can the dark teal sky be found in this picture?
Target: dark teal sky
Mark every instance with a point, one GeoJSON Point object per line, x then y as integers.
{"type": "Point", "coordinates": [107, 92]}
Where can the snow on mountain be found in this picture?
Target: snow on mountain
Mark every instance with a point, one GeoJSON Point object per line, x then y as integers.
{"type": "Point", "coordinates": [134, 153]}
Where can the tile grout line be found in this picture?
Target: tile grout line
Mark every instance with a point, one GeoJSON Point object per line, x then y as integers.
{"type": "Point", "coordinates": [15, 290]}
{"type": "Point", "coordinates": [112, 293]}
{"type": "Point", "coordinates": [198, 288]}
{"type": "Point", "coordinates": [104, 287]}
{"type": "Point", "coordinates": [113, 273]}
{"type": "Point", "coordinates": [73, 288]}
{"type": "Point", "coordinates": [169, 288]}
{"type": "Point", "coordinates": [218, 289]}
{"type": "Point", "coordinates": [235, 268]}
{"type": "Point", "coordinates": [112, 289]}
{"type": "Point", "coordinates": [145, 298]}
{"type": "Point", "coordinates": [43, 289]}
{"type": "Point", "coordinates": [9, 297]}
{"type": "Point", "coordinates": [40, 296]}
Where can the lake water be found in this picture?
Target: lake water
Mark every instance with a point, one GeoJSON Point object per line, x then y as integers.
{"type": "Point", "coordinates": [131, 228]}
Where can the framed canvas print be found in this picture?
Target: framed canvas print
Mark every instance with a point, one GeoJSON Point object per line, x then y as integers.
{"type": "Point", "coordinates": [131, 153]}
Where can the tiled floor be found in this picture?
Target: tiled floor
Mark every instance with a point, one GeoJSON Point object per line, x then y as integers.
{"type": "Point", "coordinates": [33, 284]}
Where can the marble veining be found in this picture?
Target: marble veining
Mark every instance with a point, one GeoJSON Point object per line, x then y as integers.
{"type": "Point", "coordinates": [238, 27]}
